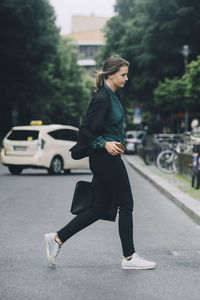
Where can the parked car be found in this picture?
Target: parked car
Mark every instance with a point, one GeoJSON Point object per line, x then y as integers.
{"type": "Point", "coordinates": [45, 146]}
{"type": "Point", "coordinates": [132, 140]}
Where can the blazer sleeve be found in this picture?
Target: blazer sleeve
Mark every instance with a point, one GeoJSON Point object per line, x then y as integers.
{"type": "Point", "coordinates": [93, 123]}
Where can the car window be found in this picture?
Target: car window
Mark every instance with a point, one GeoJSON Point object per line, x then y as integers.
{"type": "Point", "coordinates": [130, 136]}
{"type": "Point", "coordinates": [64, 134]}
{"type": "Point", "coordinates": [23, 135]}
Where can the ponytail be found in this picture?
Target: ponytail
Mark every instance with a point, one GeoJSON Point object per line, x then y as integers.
{"type": "Point", "coordinates": [100, 80]}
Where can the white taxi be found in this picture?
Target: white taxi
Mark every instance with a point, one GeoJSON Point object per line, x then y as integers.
{"type": "Point", "coordinates": [45, 146]}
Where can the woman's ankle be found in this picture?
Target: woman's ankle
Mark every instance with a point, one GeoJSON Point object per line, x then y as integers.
{"type": "Point", "coordinates": [58, 240]}
{"type": "Point", "coordinates": [129, 257]}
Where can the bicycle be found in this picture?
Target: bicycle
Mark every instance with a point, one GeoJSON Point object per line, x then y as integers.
{"type": "Point", "coordinates": [167, 159]}
{"type": "Point", "coordinates": [150, 152]}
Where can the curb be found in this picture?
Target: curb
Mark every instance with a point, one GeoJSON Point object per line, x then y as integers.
{"type": "Point", "coordinates": [190, 206]}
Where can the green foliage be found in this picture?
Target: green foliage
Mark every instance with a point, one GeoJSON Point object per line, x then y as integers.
{"type": "Point", "coordinates": [193, 82]}
{"type": "Point", "coordinates": [170, 95]}
{"type": "Point", "coordinates": [151, 34]}
{"type": "Point", "coordinates": [174, 94]}
{"type": "Point", "coordinates": [28, 43]}
{"type": "Point", "coordinates": [71, 86]}
{"type": "Point", "coordinates": [39, 75]}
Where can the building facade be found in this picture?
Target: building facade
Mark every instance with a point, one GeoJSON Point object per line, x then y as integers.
{"type": "Point", "coordinates": [87, 33]}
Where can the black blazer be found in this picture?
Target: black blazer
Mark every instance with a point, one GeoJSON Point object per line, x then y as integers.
{"type": "Point", "coordinates": [93, 123]}
{"type": "Point", "coordinates": [92, 127]}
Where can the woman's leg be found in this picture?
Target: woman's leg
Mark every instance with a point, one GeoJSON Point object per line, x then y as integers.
{"type": "Point", "coordinates": [78, 223]}
{"type": "Point", "coordinates": [121, 191]}
{"type": "Point", "coordinates": [88, 217]}
{"type": "Point", "coordinates": [112, 172]}
{"type": "Point", "coordinates": [55, 240]}
{"type": "Point", "coordinates": [125, 225]}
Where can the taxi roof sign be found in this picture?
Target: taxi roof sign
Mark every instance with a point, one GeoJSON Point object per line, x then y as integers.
{"type": "Point", "coordinates": [36, 122]}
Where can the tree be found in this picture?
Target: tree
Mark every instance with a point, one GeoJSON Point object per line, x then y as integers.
{"type": "Point", "coordinates": [150, 34]}
{"type": "Point", "coordinates": [178, 94]}
{"type": "Point", "coordinates": [169, 98]}
{"type": "Point", "coordinates": [193, 83]}
{"type": "Point", "coordinates": [39, 75]}
{"type": "Point", "coordinates": [72, 86]}
{"type": "Point", "coordinates": [28, 44]}
{"type": "Point", "coordinates": [170, 95]}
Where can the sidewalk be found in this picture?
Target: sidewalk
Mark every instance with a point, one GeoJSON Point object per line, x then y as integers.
{"type": "Point", "coordinates": [168, 184]}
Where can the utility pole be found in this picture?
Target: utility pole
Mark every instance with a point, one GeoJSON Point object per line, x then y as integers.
{"type": "Point", "coordinates": [186, 52]}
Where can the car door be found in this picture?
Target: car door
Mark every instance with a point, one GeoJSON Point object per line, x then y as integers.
{"type": "Point", "coordinates": [66, 138]}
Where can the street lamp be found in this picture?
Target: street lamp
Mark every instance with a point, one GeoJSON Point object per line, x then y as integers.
{"type": "Point", "coordinates": [185, 53]}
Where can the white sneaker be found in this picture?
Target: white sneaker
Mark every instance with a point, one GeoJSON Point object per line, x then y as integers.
{"type": "Point", "coordinates": [52, 248]}
{"type": "Point", "coordinates": [137, 263]}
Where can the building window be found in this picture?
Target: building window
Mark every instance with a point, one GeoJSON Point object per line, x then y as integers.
{"type": "Point", "coordinates": [88, 51]}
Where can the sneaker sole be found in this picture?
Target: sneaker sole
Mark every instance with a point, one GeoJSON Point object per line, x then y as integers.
{"type": "Point", "coordinates": [49, 258]}
{"type": "Point", "coordinates": [139, 268]}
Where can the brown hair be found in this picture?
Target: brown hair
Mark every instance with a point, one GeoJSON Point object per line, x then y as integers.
{"type": "Point", "coordinates": [111, 66]}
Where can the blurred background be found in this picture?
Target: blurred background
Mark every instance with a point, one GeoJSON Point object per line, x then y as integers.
{"type": "Point", "coordinates": [51, 50]}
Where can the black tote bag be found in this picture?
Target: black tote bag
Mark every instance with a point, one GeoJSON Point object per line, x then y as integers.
{"type": "Point", "coordinates": [84, 197]}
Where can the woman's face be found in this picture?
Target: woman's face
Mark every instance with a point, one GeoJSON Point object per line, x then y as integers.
{"type": "Point", "coordinates": [120, 78]}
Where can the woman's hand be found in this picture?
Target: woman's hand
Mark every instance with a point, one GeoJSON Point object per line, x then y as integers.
{"type": "Point", "coordinates": [112, 148]}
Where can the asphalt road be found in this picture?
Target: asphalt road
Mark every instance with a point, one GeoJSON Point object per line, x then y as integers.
{"type": "Point", "coordinates": [89, 264]}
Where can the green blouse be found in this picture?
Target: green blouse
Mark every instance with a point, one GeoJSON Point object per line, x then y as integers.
{"type": "Point", "coordinates": [114, 125]}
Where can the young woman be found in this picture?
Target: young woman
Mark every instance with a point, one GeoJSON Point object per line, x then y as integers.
{"type": "Point", "coordinates": [102, 136]}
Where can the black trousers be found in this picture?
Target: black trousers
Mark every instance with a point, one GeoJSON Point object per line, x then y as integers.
{"type": "Point", "coordinates": [111, 171]}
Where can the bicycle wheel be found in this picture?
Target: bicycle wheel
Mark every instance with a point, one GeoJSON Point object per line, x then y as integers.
{"type": "Point", "coordinates": [166, 161]}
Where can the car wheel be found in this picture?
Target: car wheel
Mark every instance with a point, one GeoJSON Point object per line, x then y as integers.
{"type": "Point", "coordinates": [56, 166]}
{"type": "Point", "coordinates": [15, 170]}
{"type": "Point", "coordinates": [68, 171]}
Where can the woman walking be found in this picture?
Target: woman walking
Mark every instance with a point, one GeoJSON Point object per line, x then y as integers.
{"type": "Point", "coordinates": [102, 139]}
